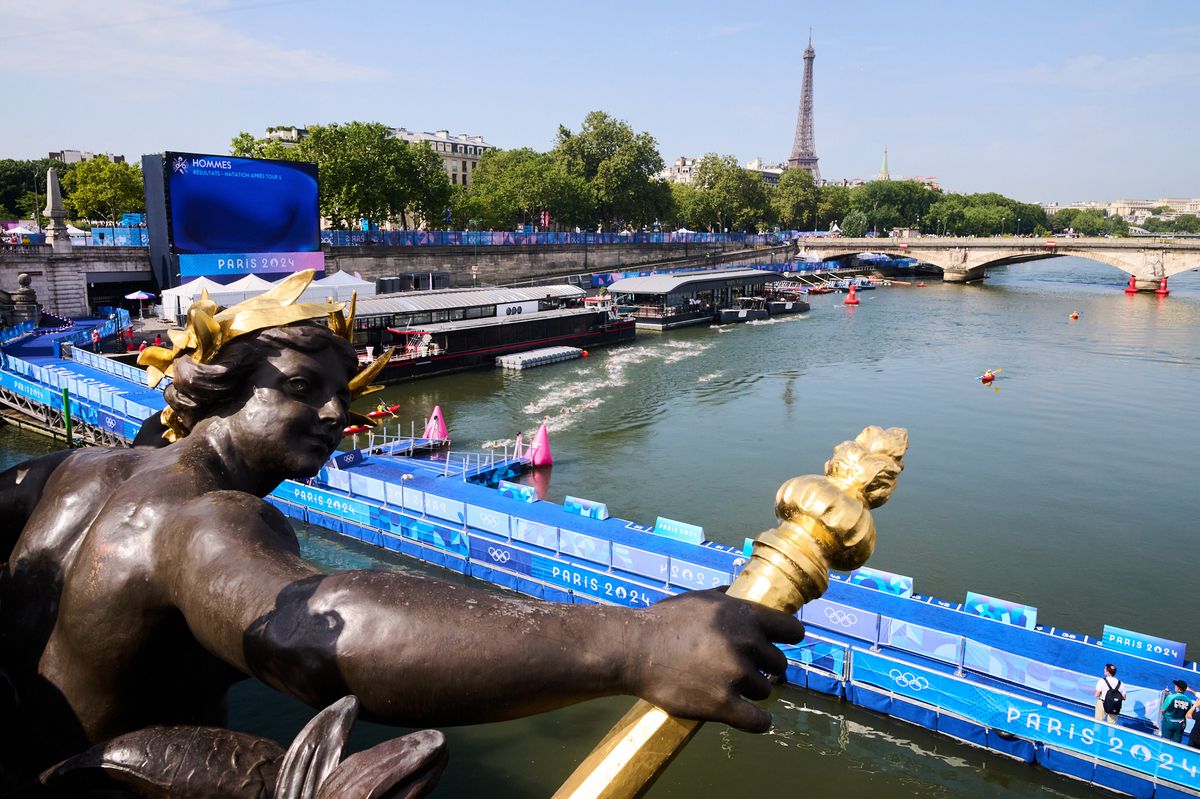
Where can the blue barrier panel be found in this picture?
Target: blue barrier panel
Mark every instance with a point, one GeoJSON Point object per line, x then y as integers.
{"type": "Point", "coordinates": [501, 556]}
{"type": "Point", "coordinates": [686, 574]}
{"type": "Point", "coordinates": [30, 390]}
{"type": "Point", "coordinates": [338, 479]}
{"type": "Point", "coordinates": [394, 494]}
{"type": "Point", "coordinates": [542, 535]}
{"type": "Point", "coordinates": [488, 519]}
{"type": "Point", "coordinates": [364, 486]}
{"type": "Point", "coordinates": [603, 587]}
{"type": "Point", "coordinates": [517, 491]}
{"type": "Point", "coordinates": [639, 561]}
{"type": "Point", "coordinates": [924, 641]}
{"type": "Point", "coordinates": [449, 509]}
{"type": "Point", "coordinates": [841, 619]}
{"type": "Point", "coordinates": [587, 547]}
{"type": "Point", "coordinates": [326, 501]}
{"type": "Point", "coordinates": [1014, 715]}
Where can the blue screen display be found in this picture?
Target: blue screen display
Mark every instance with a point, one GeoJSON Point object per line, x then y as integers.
{"type": "Point", "coordinates": [222, 204]}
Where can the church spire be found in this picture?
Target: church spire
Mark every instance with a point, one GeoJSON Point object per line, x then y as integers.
{"type": "Point", "coordinates": [884, 174]}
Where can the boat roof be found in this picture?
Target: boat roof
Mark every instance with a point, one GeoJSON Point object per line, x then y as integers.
{"type": "Point", "coordinates": [666, 284]}
{"type": "Point", "coordinates": [441, 299]}
{"type": "Point", "coordinates": [488, 321]}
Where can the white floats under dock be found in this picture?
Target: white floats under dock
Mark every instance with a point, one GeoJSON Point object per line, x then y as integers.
{"type": "Point", "coordinates": [532, 358]}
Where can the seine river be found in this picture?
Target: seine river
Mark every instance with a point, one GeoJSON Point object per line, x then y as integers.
{"type": "Point", "coordinates": [1070, 485]}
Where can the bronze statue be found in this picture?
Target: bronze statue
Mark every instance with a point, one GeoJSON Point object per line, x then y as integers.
{"type": "Point", "coordinates": [140, 584]}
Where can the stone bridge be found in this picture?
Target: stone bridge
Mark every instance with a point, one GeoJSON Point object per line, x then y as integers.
{"type": "Point", "coordinates": [1148, 260]}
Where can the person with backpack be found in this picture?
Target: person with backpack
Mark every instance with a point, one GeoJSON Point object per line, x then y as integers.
{"type": "Point", "coordinates": [1174, 710]}
{"type": "Point", "coordinates": [1109, 696]}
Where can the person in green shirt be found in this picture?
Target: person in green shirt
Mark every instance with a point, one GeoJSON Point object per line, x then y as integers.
{"type": "Point", "coordinates": [1174, 709]}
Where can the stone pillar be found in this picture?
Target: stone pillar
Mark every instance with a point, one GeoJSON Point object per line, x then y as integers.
{"type": "Point", "coordinates": [56, 231]}
{"type": "Point", "coordinates": [24, 301]}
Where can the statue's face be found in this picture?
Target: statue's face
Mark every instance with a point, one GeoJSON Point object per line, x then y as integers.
{"type": "Point", "coordinates": [292, 419]}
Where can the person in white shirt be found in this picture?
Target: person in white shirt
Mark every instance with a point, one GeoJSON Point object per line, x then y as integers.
{"type": "Point", "coordinates": [1109, 680]}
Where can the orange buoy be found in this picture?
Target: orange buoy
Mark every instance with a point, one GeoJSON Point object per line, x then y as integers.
{"type": "Point", "coordinates": [1074, 314]}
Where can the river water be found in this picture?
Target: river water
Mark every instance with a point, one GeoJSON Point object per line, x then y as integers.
{"type": "Point", "coordinates": [1069, 485]}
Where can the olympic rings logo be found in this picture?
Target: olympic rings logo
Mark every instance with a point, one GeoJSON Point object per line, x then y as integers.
{"type": "Point", "coordinates": [906, 679]}
{"type": "Point", "coordinates": [840, 617]}
{"type": "Point", "coordinates": [499, 555]}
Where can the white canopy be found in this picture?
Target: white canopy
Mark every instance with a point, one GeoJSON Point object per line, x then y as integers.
{"type": "Point", "coordinates": [177, 300]}
{"type": "Point", "coordinates": [74, 231]}
{"type": "Point", "coordinates": [19, 231]}
{"type": "Point", "coordinates": [339, 285]}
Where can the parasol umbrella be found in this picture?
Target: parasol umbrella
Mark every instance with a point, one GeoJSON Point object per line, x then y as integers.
{"type": "Point", "coordinates": [140, 296]}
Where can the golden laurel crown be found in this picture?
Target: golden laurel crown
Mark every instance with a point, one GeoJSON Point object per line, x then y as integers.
{"type": "Point", "coordinates": [208, 329]}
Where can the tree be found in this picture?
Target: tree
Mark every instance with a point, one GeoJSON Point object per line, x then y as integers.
{"type": "Point", "coordinates": [854, 224]}
{"type": "Point", "coordinates": [23, 185]}
{"type": "Point", "coordinates": [516, 186]}
{"type": "Point", "coordinates": [795, 200]}
{"type": "Point", "coordinates": [833, 203]}
{"type": "Point", "coordinates": [429, 186]}
{"type": "Point", "coordinates": [730, 197]}
{"type": "Point", "coordinates": [102, 189]}
{"type": "Point", "coordinates": [245, 145]}
{"type": "Point", "coordinates": [889, 204]}
{"type": "Point", "coordinates": [618, 166]}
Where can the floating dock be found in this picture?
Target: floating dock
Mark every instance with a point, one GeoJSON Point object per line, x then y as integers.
{"type": "Point", "coordinates": [983, 671]}
{"type": "Point", "coordinates": [540, 357]}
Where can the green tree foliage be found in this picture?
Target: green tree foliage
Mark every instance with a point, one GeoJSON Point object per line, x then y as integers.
{"type": "Point", "coordinates": [515, 186]}
{"type": "Point", "coordinates": [733, 198]}
{"type": "Point", "coordinates": [988, 214]}
{"type": "Point", "coordinates": [855, 224]}
{"type": "Point", "coordinates": [833, 203]}
{"type": "Point", "coordinates": [794, 200]}
{"type": "Point", "coordinates": [889, 204]}
{"type": "Point", "coordinates": [1184, 223]}
{"type": "Point", "coordinates": [244, 145]}
{"type": "Point", "coordinates": [101, 189]}
{"type": "Point", "coordinates": [618, 167]}
{"type": "Point", "coordinates": [23, 186]}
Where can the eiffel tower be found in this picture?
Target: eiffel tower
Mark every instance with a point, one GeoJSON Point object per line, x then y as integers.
{"type": "Point", "coordinates": [804, 148]}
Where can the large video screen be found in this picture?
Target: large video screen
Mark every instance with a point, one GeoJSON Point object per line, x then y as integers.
{"type": "Point", "coordinates": [237, 212]}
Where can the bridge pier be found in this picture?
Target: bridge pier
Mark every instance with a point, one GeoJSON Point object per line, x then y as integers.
{"type": "Point", "coordinates": [969, 276]}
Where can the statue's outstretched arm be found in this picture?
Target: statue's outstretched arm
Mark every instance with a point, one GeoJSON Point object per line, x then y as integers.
{"type": "Point", "coordinates": [420, 651]}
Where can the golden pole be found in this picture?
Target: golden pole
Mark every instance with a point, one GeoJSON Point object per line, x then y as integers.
{"type": "Point", "coordinates": [824, 523]}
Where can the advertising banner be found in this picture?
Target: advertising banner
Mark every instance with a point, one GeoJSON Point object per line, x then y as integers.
{"type": "Point", "coordinates": [586, 508]}
{"type": "Point", "coordinates": [880, 580]}
{"type": "Point", "coordinates": [324, 501]}
{"type": "Point", "coordinates": [594, 585]}
{"type": "Point", "coordinates": [1142, 645]}
{"type": "Point", "coordinates": [517, 491]}
{"type": "Point", "coordinates": [501, 556]}
{"type": "Point", "coordinates": [692, 575]}
{"type": "Point", "coordinates": [1001, 610]}
{"type": "Point", "coordinates": [541, 535]}
{"type": "Point", "coordinates": [584, 546]}
{"type": "Point", "coordinates": [344, 460]}
{"type": "Point", "coordinates": [1120, 746]}
{"type": "Point", "coordinates": [680, 531]}
{"type": "Point", "coordinates": [249, 263]}
{"type": "Point", "coordinates": [487, 519]}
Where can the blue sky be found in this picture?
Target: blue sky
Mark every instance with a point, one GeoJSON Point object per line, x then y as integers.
{"type": "Point", "coordinates": [1041, 101]}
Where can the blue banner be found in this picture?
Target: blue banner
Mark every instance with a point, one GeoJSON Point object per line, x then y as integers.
{"type": "Point", "coordinates": [880, 580]}
{"type": "Point", "coordinates": [584, 546]}
{"type": "Point", "coordinates": [324, 501]}
{"type": "Point", "coordinates": [1001, 610]}
{"type": "Point", "coordinates": [29, 390]}
{"type": "Point", "coordinates": [924, 641]}
{"type": "Point", "coordinates": [1121, 746]}
{"type": "Point", "coordinates": [521, 493]}
{"type": "Point", "coordinates": [586, 508]}
{"type": "Point", "coordinates": [449, 509]}
{"type": "Point", "coordinates": [249, 263]}
{"type": "Point", "coordinates": [680, 531]}
{"type": "Point", "coordinates": [500, 556]}
{"type": "Point", "coordinates": [1142, 645]}
{"type": "Point", "coordinates": [344, 460]}
{"type": "Point", "coordinates": [594, 585]}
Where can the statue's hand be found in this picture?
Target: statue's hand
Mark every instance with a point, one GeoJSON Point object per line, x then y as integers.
{"type": "Point", "coordinates": [703, 655]}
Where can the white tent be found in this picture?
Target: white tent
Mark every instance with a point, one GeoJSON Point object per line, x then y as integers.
{"type": "Point", "coordinates": [177, 300]}
{"type": "Point", "coordinates": [339, 286]}
{"type": "Point", "coordinates": [240, 290]}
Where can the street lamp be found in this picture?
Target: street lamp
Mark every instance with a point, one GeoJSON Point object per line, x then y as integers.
{"type": "Point", "coordinates": [1018, 227]}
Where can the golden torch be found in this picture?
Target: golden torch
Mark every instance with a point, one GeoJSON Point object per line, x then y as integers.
{"type": "Point", "coordinates": [824, 523]}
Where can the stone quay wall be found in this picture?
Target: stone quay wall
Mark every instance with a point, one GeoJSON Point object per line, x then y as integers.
{"type": "Point", "coordinates": [60, 279]}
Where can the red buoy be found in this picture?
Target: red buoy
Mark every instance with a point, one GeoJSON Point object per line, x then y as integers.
{"type": "Point", "coordinates": [584, 353]}
{"type": "Point", "coordinates": [851, 299]}
{"type": "Point", "coordinates": [355, 429]}
{"type": "Point", "coordinates": [1132, 287]}
{"type": "Point", "coordinates": [1162, 289]}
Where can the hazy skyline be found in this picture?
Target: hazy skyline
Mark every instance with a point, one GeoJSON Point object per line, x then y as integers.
{"type": "Point", "coordinates": [1040, 102]}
